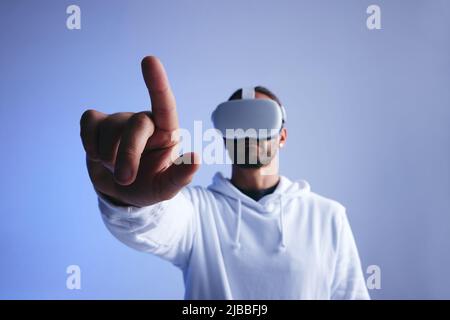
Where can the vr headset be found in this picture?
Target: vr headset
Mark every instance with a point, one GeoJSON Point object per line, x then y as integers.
{"type": "Point", "coordinates": [249, 117]}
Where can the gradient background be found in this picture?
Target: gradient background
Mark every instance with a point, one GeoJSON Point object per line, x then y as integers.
{"type": "Point", "coordinates": [368, 120]}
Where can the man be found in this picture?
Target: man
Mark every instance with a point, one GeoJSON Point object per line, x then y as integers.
{"type": "Point", "coordinates": [254, 236]}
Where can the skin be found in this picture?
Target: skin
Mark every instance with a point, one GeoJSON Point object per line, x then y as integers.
{"type": "Point", "coordinates": [129, 156]}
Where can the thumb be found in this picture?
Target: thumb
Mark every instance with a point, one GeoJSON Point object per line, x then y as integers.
{"type": "Point", "coordinates": [181, 171]}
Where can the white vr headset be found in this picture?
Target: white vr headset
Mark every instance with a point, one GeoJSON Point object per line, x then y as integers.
{"type": "Point", "coordinates": [249, 117]}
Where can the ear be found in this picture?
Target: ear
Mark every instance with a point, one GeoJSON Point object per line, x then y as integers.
{"type": "Point", "coordinates": [283, 137]}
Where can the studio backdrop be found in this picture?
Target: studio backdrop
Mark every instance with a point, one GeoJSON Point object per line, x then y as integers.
{"type": "Point", "coordinates": [366, 85]}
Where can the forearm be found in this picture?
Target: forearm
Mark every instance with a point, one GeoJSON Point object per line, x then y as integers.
{"type": "Point", "coordinates": [165, 229]}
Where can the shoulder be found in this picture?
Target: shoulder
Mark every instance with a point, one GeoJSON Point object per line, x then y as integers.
{"type": "Point", "coordinates": [323, 210]}
{"type": "Point", "coordinates": [324, 204]}
{"type": "Point", "coordinates": [301, 191]}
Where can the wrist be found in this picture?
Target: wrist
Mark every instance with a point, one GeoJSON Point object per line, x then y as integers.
{"type": "Point", "coordinates": [115, 201]}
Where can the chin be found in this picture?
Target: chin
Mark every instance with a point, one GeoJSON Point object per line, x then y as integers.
{"type": "Point", "coordinates": [257, 165]}
{"type": "Point", "coordinates": [250, 166]}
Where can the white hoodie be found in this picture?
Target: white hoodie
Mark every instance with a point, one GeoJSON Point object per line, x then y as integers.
{"type": "Point", "coordinates": [291, 244]}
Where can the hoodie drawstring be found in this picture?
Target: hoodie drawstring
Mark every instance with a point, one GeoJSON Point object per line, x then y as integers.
{"type": "Point", "coordinates": [282, 245]}
{"type": "Point", "coordinates": [288, 190]}
{"type": "Point", "coordinates": [237, 244]}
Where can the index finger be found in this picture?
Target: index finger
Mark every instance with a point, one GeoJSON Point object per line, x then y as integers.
{"type": "Point", "coordinates": [163, 101]}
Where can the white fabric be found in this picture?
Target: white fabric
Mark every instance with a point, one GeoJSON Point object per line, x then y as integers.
{"type": "Point", "coordinates": [248, 93]}
{"type": "Point", "coordinates": [291, 244]}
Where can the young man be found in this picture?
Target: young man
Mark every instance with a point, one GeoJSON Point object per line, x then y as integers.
{"type": "Point", "coordinates": [254, 236]}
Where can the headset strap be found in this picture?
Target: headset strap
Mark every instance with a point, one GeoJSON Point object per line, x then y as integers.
{"type": "Point", "coordinates": [248, 93]}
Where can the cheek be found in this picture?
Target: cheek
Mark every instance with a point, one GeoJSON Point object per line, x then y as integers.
{"type": "Point", "coordinates": [269, 147]}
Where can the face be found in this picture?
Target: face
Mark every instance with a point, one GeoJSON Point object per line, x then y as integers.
{"type": "Point", "coordinates": [253, 153]}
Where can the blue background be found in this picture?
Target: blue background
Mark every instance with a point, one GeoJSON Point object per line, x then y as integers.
{"type": "Point", "coordinates": [369, 115]}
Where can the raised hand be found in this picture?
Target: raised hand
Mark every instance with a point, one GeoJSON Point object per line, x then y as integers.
{"type": "Point", "coordinates": [130, 156]}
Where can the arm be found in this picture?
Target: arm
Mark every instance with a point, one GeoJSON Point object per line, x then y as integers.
{"type": "Point", "coordinates": [165, 229]}
{"type": "Point", "coordinates": [133, 163]}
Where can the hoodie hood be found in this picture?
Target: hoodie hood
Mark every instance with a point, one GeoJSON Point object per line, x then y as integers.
{"type": "Point", "coordinates": [284, 191]}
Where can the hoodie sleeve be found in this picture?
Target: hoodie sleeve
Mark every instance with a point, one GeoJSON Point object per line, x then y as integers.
{"type": "Point", "coordinates": [348, 282]}
{"type": "Point", "coordinates": [165, 229]}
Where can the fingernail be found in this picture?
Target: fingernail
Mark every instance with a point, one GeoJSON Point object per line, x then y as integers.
{"type": "Point", "coordinates": [123, 174]}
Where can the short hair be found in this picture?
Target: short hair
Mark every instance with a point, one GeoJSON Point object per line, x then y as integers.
{"type": "Point", "coordinates": [238, 94]}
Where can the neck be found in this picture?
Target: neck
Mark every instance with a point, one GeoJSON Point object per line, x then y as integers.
{"type": "Point", "coordinates": [253, 179]}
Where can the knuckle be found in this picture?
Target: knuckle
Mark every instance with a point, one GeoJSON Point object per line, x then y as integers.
{"type": "Point", "coordinates": [105, 127]}
{"type": "Point", "coordinates": [168, 110]}
{"type": "Point", "coordinates": [109, 129]}
{"type": "Point", "coordinates": [141, 121]}
{"type": "Point", "coordinates": [87, 117]}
